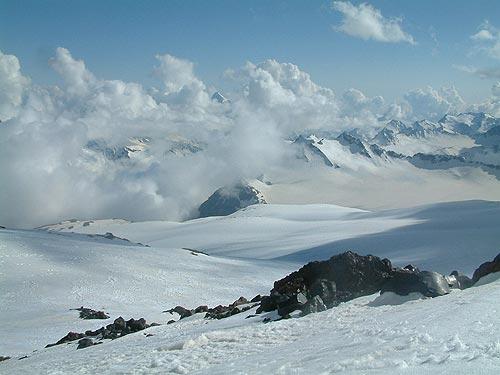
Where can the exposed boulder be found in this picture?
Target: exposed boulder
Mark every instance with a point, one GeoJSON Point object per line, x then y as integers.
{"type": "Point", "coordinates": [3, 358]}
{"type": "Point", "coordinates": [339, 279]}
{"type": "Point", "coordinates": [404, 282]}
{"type": "Point", "coordinates": [353, 276]}
{"type": "Point", "coordinates": [458, 280]}
{"type": "Point", "coordinates": [294, 302]}
{"type": "Point", "coordinates": [314, 305]}
{"type": "Point", "coordinates": [230, 199]}
{"type": "Point", "coordinates": [486, 268]}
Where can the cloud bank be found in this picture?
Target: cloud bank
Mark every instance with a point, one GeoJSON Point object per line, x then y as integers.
{"type": "Point", "coordinates": [366, 22]}
{"type": "Point", "coordinates": [71, 151]}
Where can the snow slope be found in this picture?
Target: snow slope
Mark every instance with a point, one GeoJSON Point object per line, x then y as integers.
{"type": "Point", "coordinates": [429, 235]}
{"type": "Point", "coordinates": [43, 275]}
{"type": "Point", "coordinates": [418, 337]}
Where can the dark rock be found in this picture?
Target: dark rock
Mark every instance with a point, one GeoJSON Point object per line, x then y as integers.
{"type": "Point", "coordinates": [404, 282]}
{"type": "Point", "coordinates": [270, 303]}
{"type": "Point", "coordinates": [487, 268]}
{"type": "Point", "coordinates": [171, 321]}
{"type": "Point", "coordinates": [201, 309]}
{"type": "Point", "coordinates": [326, 290]}
{"type": "Point", "coordinates": [149, 335]}
{"type": "Point", "coordinates": [182, 311]}
{"type": "Point", "coordinates": [354, 276]}
{"type": "Point", "coordinates": [137, 324]}
{"type": "Point", "coordinates": [227, 200]}
{"type": "Point", "coordinates": [119, 324]}
{"type": "Point", "coordinates": [459, 280]}
{"type": "Point", "coordinates": [154, 324]}
{"type": "Point", "coordinates": [84, 343]}
{"type": "Point", "coordinates": [411, 267]}
{"type": "Point", "coordinates": [240, 301]}
{"type": "Point", "coordinates": [71, 336]}
{"type": "Point", "coordinates": [294, 302]}
{"type": "Point", "coordinates": [23, 357]}
{"type": "Point", "coordinates": [86, 313]}
{"type": "Point", "coordinates": [257, 298]}
{"type": "Point", "coordinates": [314, 305]}
{"type": "Point", "coordinates": [3, 358]}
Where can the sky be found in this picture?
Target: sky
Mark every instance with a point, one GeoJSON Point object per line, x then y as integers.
{"type": "Point", "coordinates": [81, 82]}
{"type": "Point", "coordinates": [119, 40]}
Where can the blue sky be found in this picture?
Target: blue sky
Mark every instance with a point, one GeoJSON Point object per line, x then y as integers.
{"type": "Point", "coordinates": [119, 39]}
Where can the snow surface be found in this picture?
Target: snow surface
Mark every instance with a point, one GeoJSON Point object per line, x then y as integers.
{"type": "Point", "coordinates": [44, 273]}
{"type": "Point", "coordinates": [430, 236]}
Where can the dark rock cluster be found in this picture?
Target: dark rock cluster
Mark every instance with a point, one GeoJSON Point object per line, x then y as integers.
{"type": "Point", "coordinates": [323, 284]}
{"type": "Point", "coordinates": [86, 313]}
{"type": "Point", "coordinates": [217, 312]}
{"type": "Point", "coordinates": [119, 328]}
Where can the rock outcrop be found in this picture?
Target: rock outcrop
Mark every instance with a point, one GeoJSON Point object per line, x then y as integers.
{"type": "Point", "coordinates": [487, 268]}
{"type": "Point", "coordinates": [227, 200]}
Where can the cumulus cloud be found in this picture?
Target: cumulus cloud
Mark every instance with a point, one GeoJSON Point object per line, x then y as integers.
{"type": "Point", "coordinates": [367, 22]}
{"type": "Point", "coordinates": [181, 86]}
{"type": "Point", "coordinates": [63, 150]}
{"type": "Point", "coordinates": [12, 84]}
{"type": "Point", "coordinates": [487, 39]}
{"type": "Point", "coordinates": [432, 104]}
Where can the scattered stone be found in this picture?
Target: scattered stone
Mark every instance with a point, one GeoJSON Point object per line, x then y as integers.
{"type": "Point", "coordinates": [257, 298]}
{"type": "Point", "coordinates": [84, 343]}
{"type": "Point", "coordinates": [240, 301]}
{"type": "Point", "coordinates": [182, 311]}
{"type": "Point", "coordinates": [486, 268]}
{"type": "Point", "coordinates": [404, 282]}
{"type": "Point", "coordinates": [23, 357]}
{"type": "Point", "coordinates": [86, 313]}
{"type": "Point", "coordinates": [201, 309]}
{"type": "Point", "coordinates": [71, 336]}
{"type": "Point", "coordinates": [118, 328]}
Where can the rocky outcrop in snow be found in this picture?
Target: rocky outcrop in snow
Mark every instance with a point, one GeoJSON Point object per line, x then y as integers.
{"type": "Point", "coordinates": [487, 268]}
{"type": "Point", "coordinates": [229, 199]}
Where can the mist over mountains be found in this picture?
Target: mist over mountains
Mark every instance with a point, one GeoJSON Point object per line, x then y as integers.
{"type": "Point", "coordinates": [97, 148]}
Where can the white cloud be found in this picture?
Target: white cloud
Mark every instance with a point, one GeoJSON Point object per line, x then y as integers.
{"type": "Point", "coordinates": [432, 104]}
{"type": "Point", "coordinates": [45, 162]}
{"type": "Point", "coordinates": [12, 84]}
{"type": "Point", "coordinates": [483, 35]}
{"type": "Point", "coordinates": [182, 87]}
{"type": "Point", "coordinates": [487, 40]}
{"type": "Point", "coordinates": [366, 22]}
{"type": "Point", "coordinates": [486, 73]}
